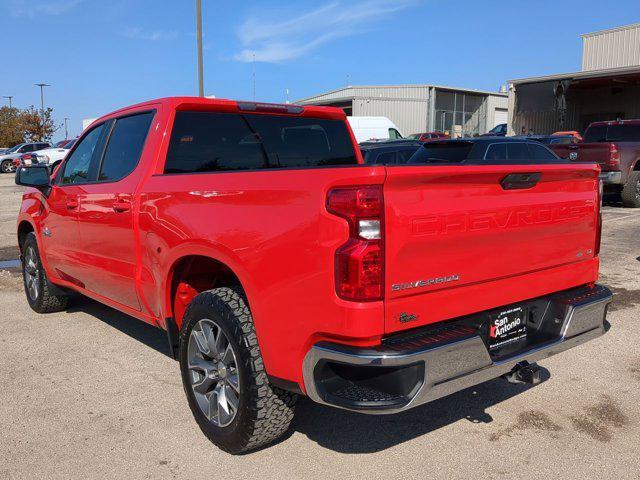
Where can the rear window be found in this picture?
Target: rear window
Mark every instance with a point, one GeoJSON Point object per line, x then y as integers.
{"type": "Point", "coordinates": [595, 134]}
{"type": "Point", "coordinates": [210, 141]}
{"type": "Point", "coordinates": [445, 152]}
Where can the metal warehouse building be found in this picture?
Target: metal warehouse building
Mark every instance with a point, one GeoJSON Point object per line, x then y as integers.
{"type": "Point", "coordinates": [607, 87]}
{"type": "Point", "coordinates": [420, 108]}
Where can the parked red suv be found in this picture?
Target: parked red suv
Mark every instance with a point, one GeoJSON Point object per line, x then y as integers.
{"type": "Point", "coordinates": [281, 265]}
{"type": "Point", "coordinates": [428, 136]}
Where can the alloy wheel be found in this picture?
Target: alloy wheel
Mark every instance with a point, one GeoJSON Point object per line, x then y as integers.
{"type": "Point", "coordinates": [213, 371]}
{"type": "Point", "coordinates": [31, 276]}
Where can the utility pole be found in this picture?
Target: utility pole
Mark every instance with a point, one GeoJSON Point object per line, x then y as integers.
{"type": "Point", "coordinates": [66, 132]}
{"type": "Point", "coordinates": [254, 76]}
{"type": "Point", "coordinates": [42, 85]}
{"type": "Point", "coordinates": [199, 40]}
{"type": "Point", "coordinates": [9, 97]}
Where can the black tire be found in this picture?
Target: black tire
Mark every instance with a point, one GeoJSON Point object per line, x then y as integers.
{"type": "Point", "coordinates": [44, 300]}
{"type": "Point", "coordinates": [631, 191]}
{"type": "Point", "coordinates": [264, 412]}
{"type": "Point", "coordinates": [6, 166]}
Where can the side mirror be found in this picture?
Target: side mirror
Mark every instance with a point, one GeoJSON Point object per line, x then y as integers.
{"type": "Point", "coordinates": [36, 177]}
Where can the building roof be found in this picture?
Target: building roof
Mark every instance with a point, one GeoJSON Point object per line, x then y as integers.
{"type": "Point", "coordinates": [610, 30]}
{"type": "Point", "coordinates": [608, 72]}
{"type": "Point", "coordinates": [346, 90]}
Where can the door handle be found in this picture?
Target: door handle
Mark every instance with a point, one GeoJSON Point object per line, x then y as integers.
{"type": "Point", "coordinates": [519, 181]}
{"type": "Point", "coordinates": [72, 204]}
{"type": "Point", "coordinates": [121, 206]}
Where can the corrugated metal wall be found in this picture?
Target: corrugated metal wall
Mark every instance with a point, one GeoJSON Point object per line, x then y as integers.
{"type": "Point", "coordinates": [611, 48]}
{"type": "Point", "coordinates": [408, 106]}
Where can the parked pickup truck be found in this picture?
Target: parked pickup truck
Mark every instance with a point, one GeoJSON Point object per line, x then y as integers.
{"type": "Point", "coordinates": [616, 147]}
{"type": "Point", "coordinates": [280, 264]}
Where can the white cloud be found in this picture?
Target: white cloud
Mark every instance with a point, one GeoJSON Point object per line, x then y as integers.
{"type": "Point", "coordinates": [278, 41]}
{"type": "Point", "coordinates": [152, 35]}
{"type": "Point", "coordinates": [22, 8]}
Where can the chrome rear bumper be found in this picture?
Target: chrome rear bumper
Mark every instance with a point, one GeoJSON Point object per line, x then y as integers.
{"type": "Point", "coordinates": [611, 178]}
{"type": "Point", "coordinates": [421, 370]}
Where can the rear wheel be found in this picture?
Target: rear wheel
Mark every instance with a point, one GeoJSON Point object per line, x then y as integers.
{"type": "Point", "coordinates": [7, 166]}
{"type": "Point", "coordinates": [37, 287]}
{"type": "Point", "coordinates": [631, 190]}
{"type": "Point", "coordinates": [224, 377]}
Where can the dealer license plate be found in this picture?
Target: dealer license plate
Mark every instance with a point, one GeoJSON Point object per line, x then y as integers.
{"type": "Point", "coordinates": [507, 328]}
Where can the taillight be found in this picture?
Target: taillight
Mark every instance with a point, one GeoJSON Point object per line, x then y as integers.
{"type": "Point", "coordinates": [614, 155]}
{"type": "Point", "coordinates": [359, 263]}
{"type": "Point", "coordinates": [596, 250]}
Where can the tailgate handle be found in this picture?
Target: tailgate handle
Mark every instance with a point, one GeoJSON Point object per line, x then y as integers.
{"type": "Point", "coordinates": [519, 181]}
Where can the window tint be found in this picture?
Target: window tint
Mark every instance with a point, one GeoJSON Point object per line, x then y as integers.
{"type": "Point", "coordinates": [538, 152]}
{"type": "Point", "coordinates": [517, 151]}
{"type": "Point", "coordinates": [76, 168]}
{"type": "Point", "coordinates": [497, 152]}
{"type": "Point", "coordinates": [596, 133]}
{"type": "Point", "coordinates": [445, 152]}
{"type": "Point", "coordinates": [623, 133]}
{"type": "Point", "coordinates": [208, 141]}
{"type": "Point", "coordinates": [42, 146]}
{"type": "Point", "coordinates": [562, 141]}
{"type": "Point", "coordinates": [125, 146]}
{"type": "Point", "coordinates": [26, 148]}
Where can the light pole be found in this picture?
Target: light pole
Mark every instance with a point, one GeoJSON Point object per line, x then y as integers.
{"type": "Point", "coordinates": [199, 40]}
{"type": "Point", "coordinates": [42, 85]}
{"type": "Point", "coordinates": [9, 97]}
{"type": "Point", "coordinates": [66, 133]}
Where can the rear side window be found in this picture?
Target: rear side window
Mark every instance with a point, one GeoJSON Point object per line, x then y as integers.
{"type": "Point", "coordinates": [125, 146]}
{"type": "Point", "coordinates": [387, 158]}
{"type": "Point", "coordinates": [445, 152]}
{"type": "Point", "coordinates": [405, 155]}
{"type": "Point", "coordinates": [623, 133]}
{"type": "Point", "coordinates": [595, 134]}
{"type": "Point", "coordinates": [539, 152]}
{"type": "Point", "coordinates": [209, 142]}
{"type": "Point", "coordinates": [394, 134]}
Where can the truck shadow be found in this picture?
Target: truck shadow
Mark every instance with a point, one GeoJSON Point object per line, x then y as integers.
{"type": "Point", "coordinates": [347, 432]}
{"type": "Point", "coordinates": [339, 430]}
{"type": "Point", "coordinates": [142, 332]}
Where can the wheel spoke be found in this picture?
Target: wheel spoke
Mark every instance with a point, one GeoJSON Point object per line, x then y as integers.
{"type": "Point", "coordinates": [232, 399]}
{"type": "Point", "coordinates": [234, 382]}
{"type": "Point", "coordinates": [201, 341]}
{"type": "Point", "coordinates": [221, 340]}
{"type": "Point", "coordinates": [228, 357]}
{"type": "Point", "coordinates": [204, 384]}
{"type": "Point", "coordinates": [200, 364]}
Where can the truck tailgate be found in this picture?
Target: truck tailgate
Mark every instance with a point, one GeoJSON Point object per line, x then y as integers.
{"type": "Point", "coordinates": [585, 152]}
{"type": "Point", "coordinates": [458, 242]}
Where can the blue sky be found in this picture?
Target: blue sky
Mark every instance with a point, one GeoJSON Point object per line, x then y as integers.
{"type": "Point", "coordinates": [100, 55]}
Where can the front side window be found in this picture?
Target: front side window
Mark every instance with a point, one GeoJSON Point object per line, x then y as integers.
{"type": "Point", "coordinates": [76, 168]}
{"type": "Point", "coordinates": [211, 141]}
{"type": "Point", "coordinates": [125, 146]}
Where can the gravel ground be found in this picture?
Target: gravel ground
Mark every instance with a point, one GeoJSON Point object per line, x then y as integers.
{"type": "Point", "coordinates": [91, 393]}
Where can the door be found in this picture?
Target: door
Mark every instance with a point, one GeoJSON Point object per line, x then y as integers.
{"type": "Point", "coordinates": [106, 214]}
{"type": "Point", "coordinates": [60, 226]}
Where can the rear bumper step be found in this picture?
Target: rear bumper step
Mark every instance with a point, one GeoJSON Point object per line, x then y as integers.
{"type": "Point", "coordinates": [411, 369]}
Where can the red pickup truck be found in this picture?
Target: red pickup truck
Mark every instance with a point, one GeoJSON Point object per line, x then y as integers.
{"type": "Point", "coordinates": [280, 264]}
{"type": "Point", "coordinates": [616, 147]}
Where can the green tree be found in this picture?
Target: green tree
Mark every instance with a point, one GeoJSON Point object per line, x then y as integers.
{"type": "Point", "coordinates": [11, 127]}
{"type": "Point", "coordinates": [33, 125]}
{"type": "Point", "coordinates": [17, 126]}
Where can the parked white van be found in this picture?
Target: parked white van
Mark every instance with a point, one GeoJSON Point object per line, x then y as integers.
{"type": "Point", "coordinates": [373, 128]}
